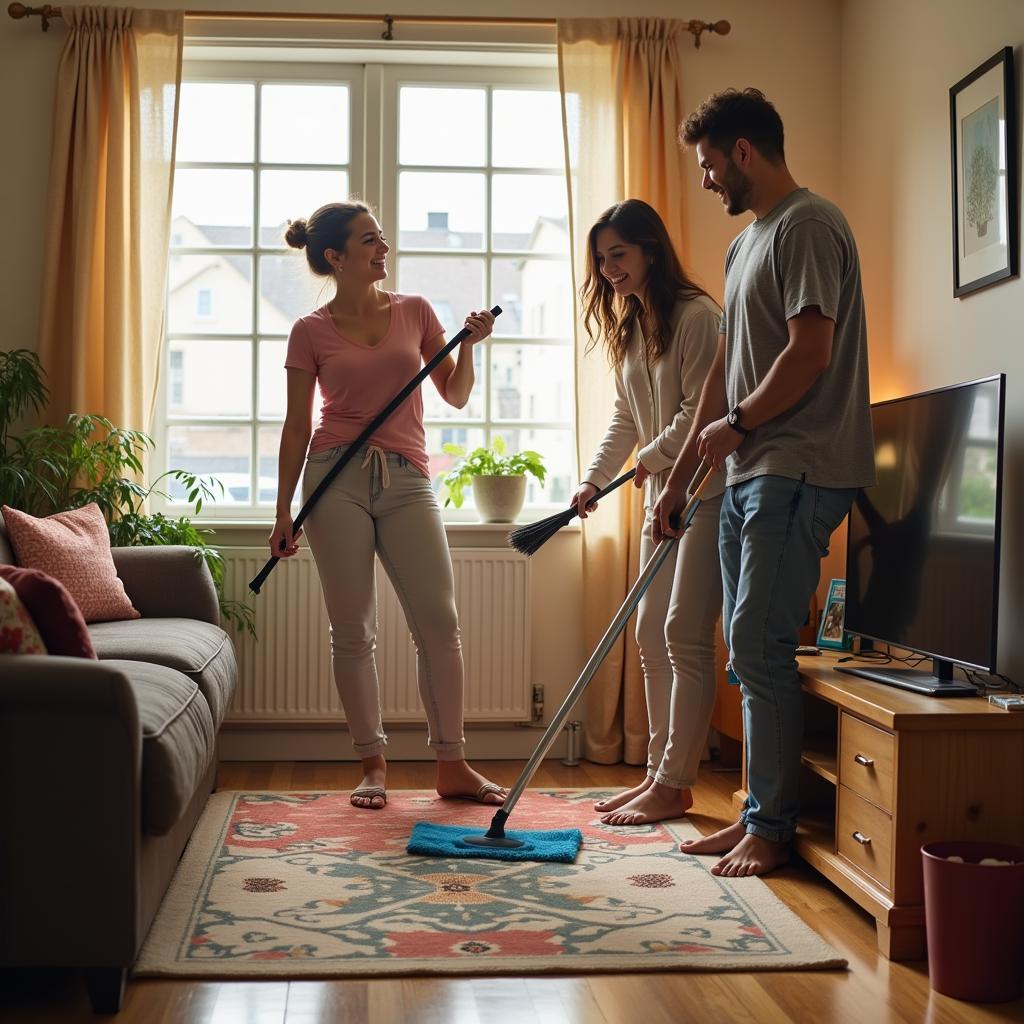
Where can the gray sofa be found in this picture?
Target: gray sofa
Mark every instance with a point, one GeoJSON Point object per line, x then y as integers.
{"type": "Point", "coordinates": [105, 767]}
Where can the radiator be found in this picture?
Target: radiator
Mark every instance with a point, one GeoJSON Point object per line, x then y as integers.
{"type": "Point", "coordinates": [285, 675]}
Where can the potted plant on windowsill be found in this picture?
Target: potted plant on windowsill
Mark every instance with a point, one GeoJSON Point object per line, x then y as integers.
{"type": "Point", "coordinates": [497, 478]}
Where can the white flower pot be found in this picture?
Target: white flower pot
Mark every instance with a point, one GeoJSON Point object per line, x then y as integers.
{"type": "Point", "coordinates": [499, 498]}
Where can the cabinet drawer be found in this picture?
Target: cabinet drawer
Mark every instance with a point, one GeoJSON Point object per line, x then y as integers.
{"type": "Point", "coordinates": [864, 836]}
{"type": "Point", "coordinates": [866, 760]}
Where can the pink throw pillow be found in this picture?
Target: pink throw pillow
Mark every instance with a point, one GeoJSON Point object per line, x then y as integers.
{"type": "Point", "coordinates": [18, 633]}
{"type": "Point", "coordinates": [53, 610]}
{"type": "Point", "coordinates": [74, 548]}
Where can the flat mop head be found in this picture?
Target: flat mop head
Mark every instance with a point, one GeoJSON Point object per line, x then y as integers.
{"type": "Point", "coordinates": [429, 839]}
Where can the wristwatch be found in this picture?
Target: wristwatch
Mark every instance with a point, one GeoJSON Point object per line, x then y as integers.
{"type": "Point", "coordinates": [733, 419]}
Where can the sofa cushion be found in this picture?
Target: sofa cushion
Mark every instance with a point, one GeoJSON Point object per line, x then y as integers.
{"type": "Point", "coordinates": [178, 741]}
{"type": "Point", "coordinates": [53, 610]}
{"type": "Point", "coordinates": [199, 650]}
{"type": "Point", "coordinates": [74, 547]}
{"type": "Point", "coordinates": [18, 633]}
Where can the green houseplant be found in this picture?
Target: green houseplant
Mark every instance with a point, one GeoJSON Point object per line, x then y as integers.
{"type": "Point", "coordinates": [498, 479]}
{"type": "Point", "coordinates": [47, 469]}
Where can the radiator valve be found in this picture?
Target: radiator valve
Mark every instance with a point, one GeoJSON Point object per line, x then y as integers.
{"type": "Point", "coordinates": [538, 702]}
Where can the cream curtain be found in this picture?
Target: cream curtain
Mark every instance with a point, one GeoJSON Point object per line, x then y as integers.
{"type": "Point", "coordinates": [109, 211]}
{"type": "Point", "coordinates": [622, 104]}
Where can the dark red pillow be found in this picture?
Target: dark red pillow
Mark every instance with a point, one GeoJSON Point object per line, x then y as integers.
{"type": "Point", "coordinates": [54, 611]}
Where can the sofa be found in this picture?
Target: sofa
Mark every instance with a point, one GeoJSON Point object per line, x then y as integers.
{"type": "Point", "coordinates": [105, 768]}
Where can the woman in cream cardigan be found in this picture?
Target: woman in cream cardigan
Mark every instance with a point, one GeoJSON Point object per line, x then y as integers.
{"type": "Point", "coordinates": [660, 332]}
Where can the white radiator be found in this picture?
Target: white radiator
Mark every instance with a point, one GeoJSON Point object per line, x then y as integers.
{"type": "Point", "coordinates": [285, 676]}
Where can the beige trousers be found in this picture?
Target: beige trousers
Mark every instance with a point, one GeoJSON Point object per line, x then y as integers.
{"type": "Point", "coordinates": [675, 631]}
{"type": "Point", "coordinates": [381, 504]}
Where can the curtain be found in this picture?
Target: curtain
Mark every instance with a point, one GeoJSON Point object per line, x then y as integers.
{"type": "Point", "coordinates": [622, 104]}
{"type": "Point", "coordinates": [111, 174]}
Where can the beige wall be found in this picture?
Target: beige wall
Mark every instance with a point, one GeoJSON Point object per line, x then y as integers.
{"type": "Point", "coordinates": [899, 60]}
{"type": "Point", "coordinates": [789, 48]}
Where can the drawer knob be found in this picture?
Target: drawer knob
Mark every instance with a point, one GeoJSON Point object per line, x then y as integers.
{"type": "Point", "coordinates": [862, 839]}
{"type": "Point", "coordinates": [861, 759]}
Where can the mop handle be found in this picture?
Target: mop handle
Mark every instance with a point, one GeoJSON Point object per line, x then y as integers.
{"type": "Point", "coordinates": [257, 582]}
{"type": "Point", "coordinates": [617, 625]}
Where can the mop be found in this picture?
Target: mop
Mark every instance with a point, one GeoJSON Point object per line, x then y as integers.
{"type": "Point", "coordinates": [346, 456]}
{"type": "Point", "coordinates": [432, 840]}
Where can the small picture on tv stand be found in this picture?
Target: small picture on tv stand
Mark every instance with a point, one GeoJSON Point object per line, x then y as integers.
{"type": "Point", "coordinates": [830, 632]}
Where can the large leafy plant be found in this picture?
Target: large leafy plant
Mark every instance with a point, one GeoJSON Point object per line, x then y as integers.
{"type": "Point", "coordinates": [47, 469]}
{"type": "Point", "coordinates": [486, 461]}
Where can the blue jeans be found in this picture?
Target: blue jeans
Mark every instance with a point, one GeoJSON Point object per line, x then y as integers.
{"type": "Point", "coordinates": [774, 533]}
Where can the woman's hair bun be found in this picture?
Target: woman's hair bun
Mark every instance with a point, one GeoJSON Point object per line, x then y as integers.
{"type": "Point", "coordinates": [296, 235]}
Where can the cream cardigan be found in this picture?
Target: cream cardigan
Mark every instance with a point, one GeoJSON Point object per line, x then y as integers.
{"type": "Point", "coordinates": [656, 401]}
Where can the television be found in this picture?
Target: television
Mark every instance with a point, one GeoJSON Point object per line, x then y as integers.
{"type": "Point", "coordinates": [922, 557]}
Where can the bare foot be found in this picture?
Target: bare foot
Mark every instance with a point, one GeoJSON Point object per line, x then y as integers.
{"type": "Point", "coordinates": [612, 803]}
{"type": "Point", "coordinates": [721, 841]}
{"type": "Point", "coordinates": [457, 779]}
{"type": "Point", "coordinates": [656, 803]}
{"type": "Point", "coordinates": [375, 772]}
{"type": "Point", "coordinates": [745, 854]}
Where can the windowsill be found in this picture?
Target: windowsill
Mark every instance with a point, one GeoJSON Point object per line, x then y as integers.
{"type": "Point", "coordinates": [470, 526]}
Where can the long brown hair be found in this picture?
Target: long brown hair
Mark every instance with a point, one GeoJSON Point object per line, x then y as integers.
{"type": "Point", "coordinates": [612, 317]}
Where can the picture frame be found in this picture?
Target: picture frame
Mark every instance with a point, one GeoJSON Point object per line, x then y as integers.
{"type": "Point", "coordinates": [983, 154]}
{"type": "Point", "coordinates": [830, 630]}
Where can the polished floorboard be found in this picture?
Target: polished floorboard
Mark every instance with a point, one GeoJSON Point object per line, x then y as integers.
{"type": "Point", "coordinates": [872, 991]}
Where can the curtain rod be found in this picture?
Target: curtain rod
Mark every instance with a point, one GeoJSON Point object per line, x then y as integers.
{"type": "Point", "coordinates": [47, 13]}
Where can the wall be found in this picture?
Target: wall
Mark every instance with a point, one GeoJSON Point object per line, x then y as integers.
{"type": "Point", "coordinates": [790, 48]}
{"type": "Point", "coordinates": [899, 61]}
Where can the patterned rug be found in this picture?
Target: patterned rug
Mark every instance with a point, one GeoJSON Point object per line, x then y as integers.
{"type": "Point", "coordinates": [303, 884]}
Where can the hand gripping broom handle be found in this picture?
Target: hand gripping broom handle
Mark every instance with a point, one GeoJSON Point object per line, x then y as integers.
{"type": "Point", "coordinates": [617, 482]}
{"type": "Point", "coordinates": [350, 452]}
{"type": "Point", "coordinates": [646, 577]}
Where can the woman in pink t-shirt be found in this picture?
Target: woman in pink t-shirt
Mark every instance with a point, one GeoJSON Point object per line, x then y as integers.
{"type": "Point", "coordinates": [361, 349]}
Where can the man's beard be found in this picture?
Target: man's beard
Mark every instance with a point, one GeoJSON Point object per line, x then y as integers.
{"type": "Point", "coordinates": [737, 188]}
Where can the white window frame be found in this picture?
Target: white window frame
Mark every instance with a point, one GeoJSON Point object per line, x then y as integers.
{"type": "Point", "coordinates": [373, 175]}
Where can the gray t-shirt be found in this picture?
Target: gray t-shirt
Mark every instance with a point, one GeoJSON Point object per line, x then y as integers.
{"type": "Point", "coordinates": [801, 254]}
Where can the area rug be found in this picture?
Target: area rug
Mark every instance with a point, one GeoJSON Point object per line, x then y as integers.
{"type": "Point", "coordinates": [305, 885]}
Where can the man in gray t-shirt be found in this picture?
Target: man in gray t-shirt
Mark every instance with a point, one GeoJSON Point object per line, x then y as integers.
{"type": "Point", "coordinates": [785, 408]}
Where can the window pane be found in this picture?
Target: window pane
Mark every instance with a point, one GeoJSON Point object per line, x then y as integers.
{"type": "Point", "coordinates": [269, 440]}
{"type": "Point", "coordinates": [454, 287]}
{"type": "Point", "coordinates": [527, 129]}
{"type": "Point", "coordinates": [531, 382]}
{"type": "Point", "coordinates": [210, 378]}
{"type": "Point", "coordinates": [211, 208]}
{"type": "Point", "coordinates": [446, 127]}
{"type": "Point", "coordinates": [536, 296]}
{"type": "Point", "coordinates": [288, 290]}
{"type": "Point", "coordinates": [559, 459]}
{"type": "Point", "coordinates": [215, 122]}
{"type": "Point", "coordinates": [273, 384]}
{"type": "Point", "coordinates": [288, 195]}
{"type": "Point", "coordinates": [227, 280]}
{"type": "Point", "coordinates": [221, 452]}
{"type": "Point", "coordinates": [441, 462]}
{"type": "Point", "coordinates": [530, 211]}
{"type": "Point", "coordinates": [440, 211]}
{"type": "Point", "coordinates": [436, 408]}
{"type": "Point", "coordinates": [304, 124]}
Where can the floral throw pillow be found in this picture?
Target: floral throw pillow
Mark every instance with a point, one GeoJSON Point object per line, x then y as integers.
{"type": "Point", "coordinates": [18, 633]}
{"type": "Point", "coordinates": [73, 547]}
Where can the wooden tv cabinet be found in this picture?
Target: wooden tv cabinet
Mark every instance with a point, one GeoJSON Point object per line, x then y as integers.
{"type": "Point", "coordinates": [886, 770]}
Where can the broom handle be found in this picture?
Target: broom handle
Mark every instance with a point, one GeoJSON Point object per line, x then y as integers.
{"type": "Point", "coordinates": [611, 487]}
{"type": "Point", "coordinates": [257, 582]}
{"type": "Point", "coordinates": [617, 625]}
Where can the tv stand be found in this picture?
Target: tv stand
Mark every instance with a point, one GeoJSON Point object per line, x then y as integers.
{"type": "Point", "coordinates": [884, 771]}
{"type": "Point", "coordinates": [914, 679]}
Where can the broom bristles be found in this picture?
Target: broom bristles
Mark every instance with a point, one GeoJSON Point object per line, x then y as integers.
{"type": "Point", "coordinates": [527, 539]}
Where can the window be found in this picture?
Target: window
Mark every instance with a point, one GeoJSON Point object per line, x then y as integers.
{"type": "Point", "coordinates": [465, 169]}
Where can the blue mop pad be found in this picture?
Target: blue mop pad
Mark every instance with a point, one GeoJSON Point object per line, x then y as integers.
{"type": "Point", "coordinates": [431, 840]}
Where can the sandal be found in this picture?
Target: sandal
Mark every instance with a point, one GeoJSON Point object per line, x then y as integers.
{"type": "Point", "coordinates": [369, 793]}
{"type": "Point", "coordinates": [481, 794]}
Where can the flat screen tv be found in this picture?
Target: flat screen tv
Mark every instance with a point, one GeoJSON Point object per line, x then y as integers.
{"type": "Point", "coordinates": [922, 557]}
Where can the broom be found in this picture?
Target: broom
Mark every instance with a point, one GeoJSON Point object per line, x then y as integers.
{"type": "Point", "coordinates": [527, 539]}
{"type": "Point", "coordinates": [261, 577]}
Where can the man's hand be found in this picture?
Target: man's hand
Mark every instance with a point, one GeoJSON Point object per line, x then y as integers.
{"type": "Point", "coordinates": [717, 441]}
{"type": "Point", "coordinates": [670, 504]}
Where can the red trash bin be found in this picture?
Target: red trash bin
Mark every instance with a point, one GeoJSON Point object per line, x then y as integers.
{"type": "Point", "coordinates": [974, 915]}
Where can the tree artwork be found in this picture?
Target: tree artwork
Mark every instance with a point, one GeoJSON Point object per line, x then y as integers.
{"type": "Point", "coordinates": [981, 190]}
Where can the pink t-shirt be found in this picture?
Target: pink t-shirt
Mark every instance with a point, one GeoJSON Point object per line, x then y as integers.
{"type": "Point", "coordinates": [357, 381]}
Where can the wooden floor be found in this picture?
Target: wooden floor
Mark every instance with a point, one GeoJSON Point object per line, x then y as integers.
{"type": "Point", "coordinates": [872, 991]}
